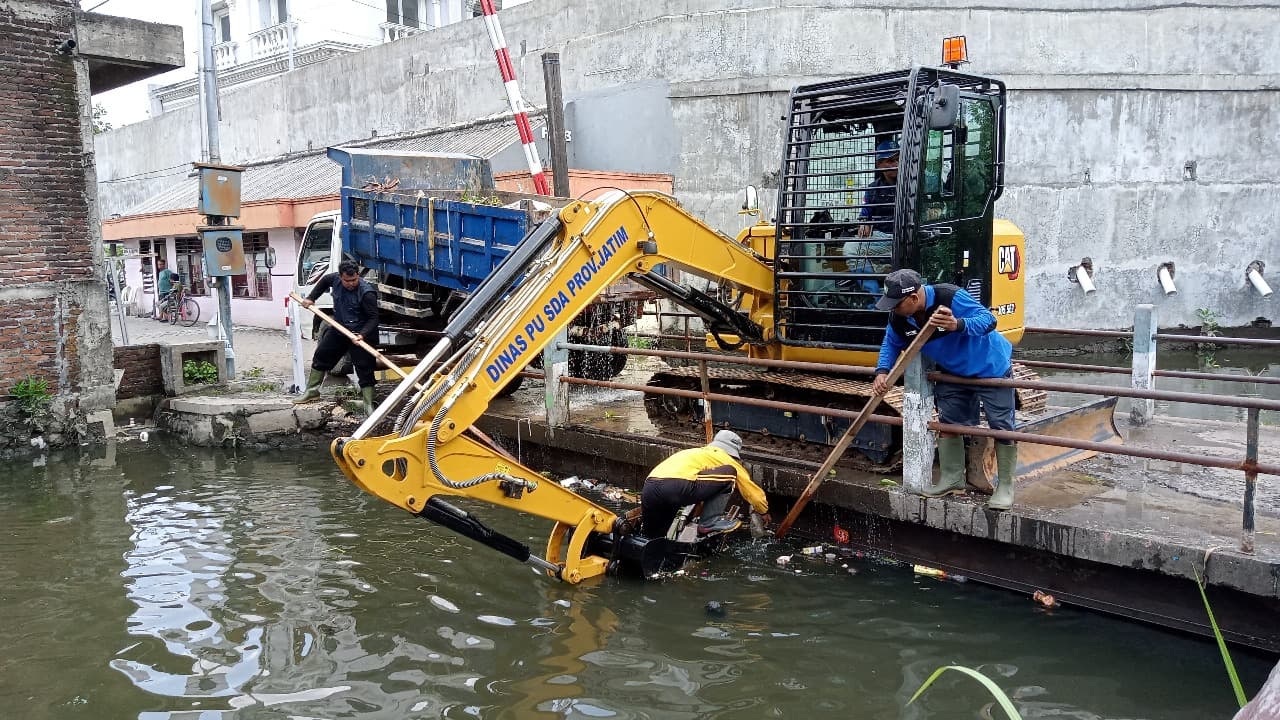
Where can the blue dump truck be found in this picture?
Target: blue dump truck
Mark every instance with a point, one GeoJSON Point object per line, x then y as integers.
{"type": "Point", "coordinates": [427, 228]}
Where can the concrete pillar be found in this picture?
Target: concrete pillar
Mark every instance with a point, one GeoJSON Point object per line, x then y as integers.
{"type": "Point", "coordinates": [1144, 362]}
{"type": "Point", "coordinates": [555, 365]}
{"type": "Point", "coordinates": [917, 439]}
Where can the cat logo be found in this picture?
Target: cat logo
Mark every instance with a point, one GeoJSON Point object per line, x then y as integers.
{"type": "Point", "coordinates": [1009, 262]}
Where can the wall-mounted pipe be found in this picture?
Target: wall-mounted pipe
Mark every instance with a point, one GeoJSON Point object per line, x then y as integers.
{"type": "Point", "coordinates": [1254, 274]}
{"type": "Point", "coordinates": [1165, 274]}
{"type": "Point", "coordinates": [1082, 275]}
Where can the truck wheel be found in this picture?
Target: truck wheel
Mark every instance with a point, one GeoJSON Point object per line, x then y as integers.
{"type": "Point", "coordinates": [599, 366]}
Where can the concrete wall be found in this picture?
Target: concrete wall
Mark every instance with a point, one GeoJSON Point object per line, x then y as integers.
{"type": "Point", "coordinates": [1126, 90]}
{"type": "Point", "coordinates": [53, 308]}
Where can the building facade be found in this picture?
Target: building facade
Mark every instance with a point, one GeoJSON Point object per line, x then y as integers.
{"type": "Point", "coordinates": [259, 39]}
{"type": "Point", "coordinates": [1132, 155]}
{"type": "Point", "coordinates": [279, 197]}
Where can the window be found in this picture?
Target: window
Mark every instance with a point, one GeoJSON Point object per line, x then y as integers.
{"type": "Point", "coordinates": [273, 12]}
{"type": "Point", "coordinates": [316, 247]}
{"type": "Point", "coordinates": [978, 120]}
{"type": "Point", "coordinates": [190, 265]}
{"type": "Point", "coordinates": [403, 12]}
{"type": "Point", "coordinates": [222, 25]}
{"type": "Point", "coordinates": [937, 193]}
{"type": "Point", "coordinates": [256, 283]}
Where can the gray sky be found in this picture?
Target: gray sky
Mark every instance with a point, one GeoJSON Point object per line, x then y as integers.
{"type": "Point", "coordinates": [130, 104]}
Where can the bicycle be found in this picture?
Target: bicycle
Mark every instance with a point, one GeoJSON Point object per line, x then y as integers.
{"type": "Point", "coordinates": [179, 307]}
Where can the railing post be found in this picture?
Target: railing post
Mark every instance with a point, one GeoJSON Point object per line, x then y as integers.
{"type": "Point", "coordinates": [555, 365]}
{"type": "Point", "coordinates": [1250, 480]}
{"type": "Point", "coordinates": [707, 423]}
{"type": "Point", "coordinates": [917, 439]}
{"type": "Point", "coordinates": [1144, 363]}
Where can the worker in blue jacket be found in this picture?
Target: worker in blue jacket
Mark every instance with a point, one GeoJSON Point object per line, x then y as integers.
{"type": "Point", "coordinates": [964, 344]}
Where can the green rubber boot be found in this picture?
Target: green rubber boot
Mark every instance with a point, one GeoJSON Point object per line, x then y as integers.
{"type": "Point", "coordinates": [950, 468]}
{"type": "Point", "coordinates": [1006, 463]}
{"type": "Point", "coordinates": [312, 393]}
{"type": "Point", "coordinates": [367, 394]}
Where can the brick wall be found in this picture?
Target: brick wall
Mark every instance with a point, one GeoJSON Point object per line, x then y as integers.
{"type": "Point", "coordinates": [143, 376]}
{"type": "Point", "coordinates": [53, 321]}
{"type": "Point", "coordinates": [29, 343]}
{"type": "Point", "coordinates": [44, 223]}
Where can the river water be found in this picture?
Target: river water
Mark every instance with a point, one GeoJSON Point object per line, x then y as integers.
{"type": "Point", "coordinates": [163, 582]}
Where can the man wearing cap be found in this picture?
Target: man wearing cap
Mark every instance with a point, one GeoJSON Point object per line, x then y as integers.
{"type": "Point", "coordinates": [878, 200]}
{"type": "Point", "coordinates": [965, 344]}
{"type": "Point", "coordinates": [703, 474]}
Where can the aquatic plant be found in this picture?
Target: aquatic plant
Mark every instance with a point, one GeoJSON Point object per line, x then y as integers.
{"type": "Point", "coordinates": [1209, 327]}
{"type": "Point", "coordinates": [1003, 700]}
{"type": "Point", "coordinates": [1222, 643]}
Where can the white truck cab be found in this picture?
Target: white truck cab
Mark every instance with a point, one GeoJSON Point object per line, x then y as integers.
{"type": "Point", "coordinates": [320, 243]}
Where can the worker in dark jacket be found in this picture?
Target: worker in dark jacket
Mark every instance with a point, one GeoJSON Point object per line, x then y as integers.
{"type": "Point", "coordinates": [880, 196]}
{"type": "Point", "coordinates": [355, 307]}
{"type": "Point", "coordinates": [703, 474]}
{"type": "Point", "coordinates": [965, 344]}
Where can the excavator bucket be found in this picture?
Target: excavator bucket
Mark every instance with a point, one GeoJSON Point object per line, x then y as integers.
{"type": "Point", "coordinates": [1093, 421]}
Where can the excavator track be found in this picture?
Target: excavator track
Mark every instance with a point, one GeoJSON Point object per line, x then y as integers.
{"type": "Point", "coordinates": [809, 439]}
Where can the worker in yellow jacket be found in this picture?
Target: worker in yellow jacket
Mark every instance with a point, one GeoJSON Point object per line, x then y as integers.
{"type": "Point", "coordinates": [704, 474]}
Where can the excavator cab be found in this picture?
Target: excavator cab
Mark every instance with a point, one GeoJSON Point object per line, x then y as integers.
{"type": "Point", "coordinates": [878, 173]}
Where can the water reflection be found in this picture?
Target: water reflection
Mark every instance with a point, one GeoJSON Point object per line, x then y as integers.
{"type": "Point", "coordinates": [206, 586]}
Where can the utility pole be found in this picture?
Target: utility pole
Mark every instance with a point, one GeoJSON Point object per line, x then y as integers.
{"type": "Point", "coordinates": [555, 124]}
{"type": "Point", "coordinates": [209, 81]}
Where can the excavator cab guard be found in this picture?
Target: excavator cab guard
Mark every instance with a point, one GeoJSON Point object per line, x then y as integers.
{"type": "Point", "coordinates": [870, 183]}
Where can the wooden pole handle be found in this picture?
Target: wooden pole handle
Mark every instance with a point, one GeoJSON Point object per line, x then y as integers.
{"type": "Point", "coordinates": [873, 402]}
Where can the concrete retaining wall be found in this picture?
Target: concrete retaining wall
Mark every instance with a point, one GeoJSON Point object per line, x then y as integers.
{"type": "Point", "coordinates": [1110, 101]}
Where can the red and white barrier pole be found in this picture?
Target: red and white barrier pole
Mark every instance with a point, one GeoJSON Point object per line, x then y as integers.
{"type": "Point", "coordinates": [514, 99]}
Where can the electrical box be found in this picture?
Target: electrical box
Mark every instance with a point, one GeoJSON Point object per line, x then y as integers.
{"type": "Point", "coordinates": [223, 250]}
{"type": "Point", "coordinates": [219, 190]}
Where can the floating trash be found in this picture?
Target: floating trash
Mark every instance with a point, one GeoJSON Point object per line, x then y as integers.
{"type": "Point", "coordinates": [939, 574]}
{"type": "Point", "coordinates": [839, 534]}
{"type": "Point", "coordinates": [783, 559]}
{"type": "Point", "coordinates": [1044, 599]}
{"type": "Point", "coordinates": [929, 572]}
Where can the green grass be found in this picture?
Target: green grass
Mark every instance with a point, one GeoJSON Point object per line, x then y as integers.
{"type": "Point", "coordinates": [1222, 643]}
{"type": "Point", "coordinates": [1003, 700]}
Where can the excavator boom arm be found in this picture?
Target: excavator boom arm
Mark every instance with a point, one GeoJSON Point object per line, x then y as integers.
{"type": "Point", "coordinates": [565, 264]}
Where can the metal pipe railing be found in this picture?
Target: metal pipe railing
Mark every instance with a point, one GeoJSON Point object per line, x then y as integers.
{"type": "Point", "coordinates": [1197, 339]}
{"type": "Point", "coordinates": [1183, 374]}
{"type": "Point", "coordinates": [1167, 395]}
{"type": "Point", "coordinates": [1014, 435]}
{"type": "Point", "coordinates": [1082, 389]}
{"type": "Point", "coordinates": [1249, 464]}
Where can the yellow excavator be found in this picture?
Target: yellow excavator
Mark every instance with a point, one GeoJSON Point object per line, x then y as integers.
{"type": "Point", "coordinates": [802, 288]}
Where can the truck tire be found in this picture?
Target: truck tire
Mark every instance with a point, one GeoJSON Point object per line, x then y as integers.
{"type": "Point", "coordinates": [599, 366]}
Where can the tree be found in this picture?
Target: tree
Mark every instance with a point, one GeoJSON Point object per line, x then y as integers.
{"type": "Point", "coordinates": [100, 124]}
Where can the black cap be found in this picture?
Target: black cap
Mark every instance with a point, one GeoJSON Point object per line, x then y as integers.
{"type": "Point", "coordinates": [897, 285]}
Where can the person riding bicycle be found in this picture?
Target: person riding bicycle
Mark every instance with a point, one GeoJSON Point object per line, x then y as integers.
{"type": "Point", "coordinates": [164, 288]}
